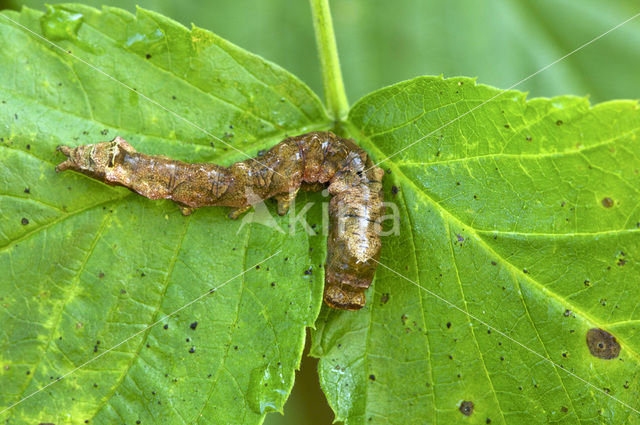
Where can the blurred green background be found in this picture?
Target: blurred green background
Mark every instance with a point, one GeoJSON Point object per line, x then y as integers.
{"type": "Point", "coordinates": [382, 42]}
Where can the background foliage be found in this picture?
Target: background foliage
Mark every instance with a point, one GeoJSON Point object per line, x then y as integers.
{"type": "Point", "coordinates": [382, 42]}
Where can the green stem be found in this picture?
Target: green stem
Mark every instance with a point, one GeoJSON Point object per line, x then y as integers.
{"type": "Point", "coordinates": [334, 94]}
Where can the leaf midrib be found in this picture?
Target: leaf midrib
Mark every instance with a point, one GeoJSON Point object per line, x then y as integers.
{"type": "Point", "coordinates": [539, 155]}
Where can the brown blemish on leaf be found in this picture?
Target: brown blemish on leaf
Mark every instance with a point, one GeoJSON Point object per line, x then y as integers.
{"type": "Point", "coordinates": [607, 202]}
{"type": "Point", "coordinates": [24, 221]}
{"type": "Point", "coordinates": [602, 344]}
{"type": "Point", "coordinates": [466, 408]}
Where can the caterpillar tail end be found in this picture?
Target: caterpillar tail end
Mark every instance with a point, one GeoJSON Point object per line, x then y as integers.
{"type": "Point", "coordinates": [344, 298]}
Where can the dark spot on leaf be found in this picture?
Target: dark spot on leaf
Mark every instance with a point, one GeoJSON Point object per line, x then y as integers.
{"type": "Point", "coordinates": [148, 56]}
{"type": "Point", "coordinates": [193, 325]}
{"type": "Point", "coordinates": [602, 344]}
{"type": "Point", "coordinates": [448, 325]}
{"type": "Point", "coordinates": [273, 284]}
{"type": "Point", "coordinates": [372, 377]}
{"type": "Point", "coordinates": [166, 326]}
{"type": "Point", "coordinates": [394, 190]}
{"type": "Point", "coordinates": [493, 263]}
{"type": "Point", "coordinates": [564, 409]}
{"type": "Point", "coordinates": [24, 221]}
{"type": "Point", "coordinates": [559, 122]}
{"type": "Point", "coordinates": [506, 126]}
{"type": "Point", "coordinates": [187, 340]}
{"type": "Point", "coordinates": [460, 238]}
{"type": "Point", "coordinates": [100, 275]}
{"type": "Point", "coordinates": [384, 298]}
{"type": "Point", "coordinates": [488, 421]}
{"type": "Point", "coordinates": [607, 202]}
{"type": "Point", "coordinates": [27, 190]}
{"type": "Point", "coordinates": [235, 347]}
{"type": "Point", "coordinates": [192, 350]}
{"type": "Point", "coordinates": [258, 267]}
{"type": "Point", "coordinates": [567, 313]}
{"type": "Point", "coordinates": [28, 147]}
{"type": "Point", "coordinates": [466, 408]}
{"type": "Point", "coordinates": [587, 283]}
{"type": "Point", "coordinates": [528, 138]}
{"type": "Point", "coordinates": [525, 271]}
{"type": "Point", "coordinates": [404, 319]}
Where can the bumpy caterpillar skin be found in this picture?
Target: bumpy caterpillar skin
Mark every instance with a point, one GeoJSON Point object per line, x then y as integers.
{"type": "Point", "coordinates": [355, 209]}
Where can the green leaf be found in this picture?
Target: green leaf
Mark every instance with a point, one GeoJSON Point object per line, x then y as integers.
{"type": "Point", "coordinates": [86, 266]}
{"type": "Point", "coordinates": [525, 215]}
{"type": "Point", "coordinates": [539, 239]}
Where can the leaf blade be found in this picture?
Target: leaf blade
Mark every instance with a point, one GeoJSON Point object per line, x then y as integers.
{"type": "Point", "coordinates": [473, 220]}
{"type": "Point", "coordinates": [96, 265]}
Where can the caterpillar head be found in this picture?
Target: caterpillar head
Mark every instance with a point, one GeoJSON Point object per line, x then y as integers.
{"type": "Point", "coordinates": [94, 160]}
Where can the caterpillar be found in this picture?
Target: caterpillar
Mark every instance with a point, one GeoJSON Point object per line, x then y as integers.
{"type": "Point", "coordinates": [309, 161]}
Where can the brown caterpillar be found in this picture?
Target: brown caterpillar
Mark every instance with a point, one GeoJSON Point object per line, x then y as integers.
{"type": "Point", "coordinates": [310, 160]}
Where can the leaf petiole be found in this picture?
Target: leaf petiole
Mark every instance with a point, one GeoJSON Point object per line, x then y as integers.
{"type": "Point", "coordinates": [334, 94]}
